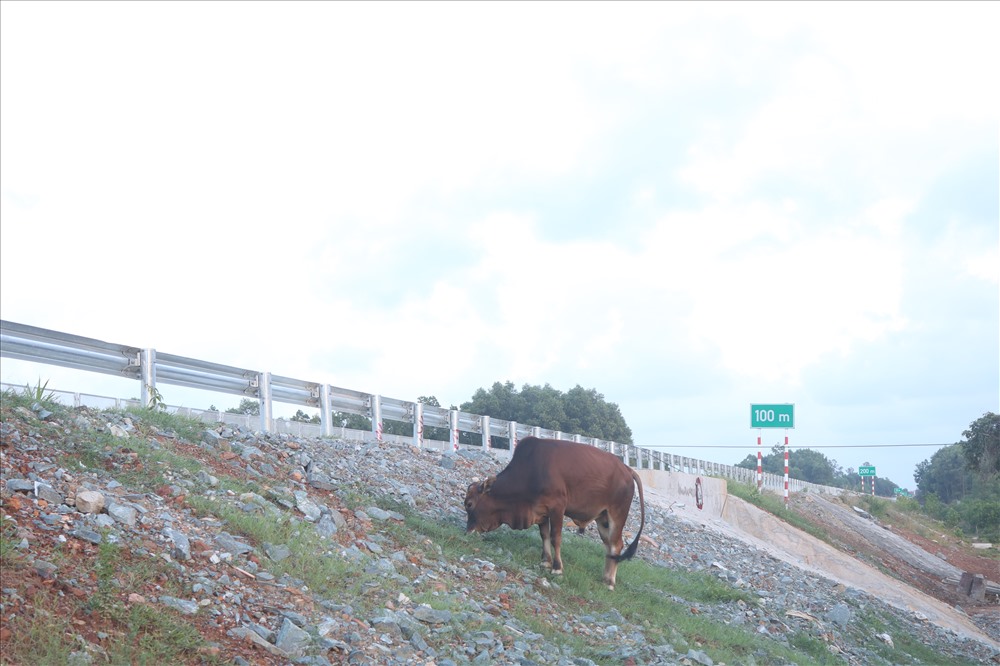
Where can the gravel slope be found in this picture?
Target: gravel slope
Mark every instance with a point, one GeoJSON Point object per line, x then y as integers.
{"type": "Point", "coordinates": [251, 616]}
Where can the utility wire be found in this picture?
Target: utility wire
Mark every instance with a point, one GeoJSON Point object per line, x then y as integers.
{"type": "Point", "coordinates": [791, 446]}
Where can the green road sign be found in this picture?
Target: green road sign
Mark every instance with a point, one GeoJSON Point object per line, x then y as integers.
{"type": "Point", "coordinates": [866, 471]}
{"type": "Point", "coordinates": [772, 416]}
{"type": "Point", "coordinates": [902, 491]}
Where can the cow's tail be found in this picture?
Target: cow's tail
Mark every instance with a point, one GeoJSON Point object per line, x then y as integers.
{"type": "Point", "coordinates": [629, 552]}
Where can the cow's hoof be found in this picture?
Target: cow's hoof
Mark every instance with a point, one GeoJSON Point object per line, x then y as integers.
{"type": "Point", "coordinates": [546, 565]}
{"type": "Point", "coordinates": [557, 572]}
{"type": "Point", "coordinates": [611, 587]}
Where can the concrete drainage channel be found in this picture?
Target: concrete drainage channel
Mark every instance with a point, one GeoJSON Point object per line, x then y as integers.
{"type": "Point", "coordinates": [733, 517]}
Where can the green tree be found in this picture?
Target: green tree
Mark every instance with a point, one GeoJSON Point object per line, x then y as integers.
{"type": "Point", "coordinates": [945, 474]}
{"type": "Point", "coordinates": [981, 447]}
{"type": "Point", "coordinates": [302, 417]}
{"type": "Point", "coordinates": [579, 411]}
{"type": "Point", "coordinates": [982, 517]}
{"type": "Point", "coordinates": [434, 432]}
{"type": "Point", "coordinates": [352, 421]}
{"type": "Point", "coordinates": [814, 467]}
{"type": "Point", "coordinates": [247, 406]}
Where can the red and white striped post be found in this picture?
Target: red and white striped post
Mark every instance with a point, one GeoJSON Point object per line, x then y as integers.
{"type": "Point", "coordinates": [760, 463]}
{"type": "Point", "coordinates": [786, 469]}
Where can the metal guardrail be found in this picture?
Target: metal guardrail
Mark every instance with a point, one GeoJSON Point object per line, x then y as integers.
{"type": "Point", "coordinates": [148, 366]}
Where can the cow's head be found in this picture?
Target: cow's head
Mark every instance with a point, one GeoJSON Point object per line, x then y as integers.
{"type": "Point", "coordinates": [479, 507]}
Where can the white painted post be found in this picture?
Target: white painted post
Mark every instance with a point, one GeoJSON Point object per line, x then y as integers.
{"type": "Point", "coordinates": [147, 370]}
{"type": "Point", "coordinates": [418, 425]}
{"type": "Point", "coordinates": [325, 413]}
{"type": "Point", "coordinates": [453, 424]}
{"type": "Point", "coordinates": [376, 414]}
{"type": "Point", "coordinates": [264, 396]}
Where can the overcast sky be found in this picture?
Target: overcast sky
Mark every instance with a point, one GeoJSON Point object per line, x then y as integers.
{"type": "Point", "coordinates": [689, 208]}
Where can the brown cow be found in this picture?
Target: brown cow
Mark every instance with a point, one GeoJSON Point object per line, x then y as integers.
{"type": "Point", "coordinates": [549, 479]}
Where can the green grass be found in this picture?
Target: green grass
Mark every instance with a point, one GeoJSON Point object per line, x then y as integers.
{"type": "Point", "coordinates": [311, 560]}
{"type": "Point", "coordinates": [775, 505]}
{"type": "Point", "coordinates": [874, 624]}
{"type": "Point", "coordinates": [10, 556]}
{"type": "Point", "coordinates": [139, 633]}
{"type": "Point", "coordinates": [644, 593]}
{"type": "Point", "coordinates": [184, 427]}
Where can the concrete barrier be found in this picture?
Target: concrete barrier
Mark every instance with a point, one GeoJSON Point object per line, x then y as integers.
{"type": "Point", "coordinates": [682, 488]}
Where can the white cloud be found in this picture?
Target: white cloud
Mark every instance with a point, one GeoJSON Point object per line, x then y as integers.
{"type": "Point", "coordinates": [679, 201]}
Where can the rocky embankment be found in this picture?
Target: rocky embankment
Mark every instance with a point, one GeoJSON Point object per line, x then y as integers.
{"type": "Point", "coordinates": [57, 517]}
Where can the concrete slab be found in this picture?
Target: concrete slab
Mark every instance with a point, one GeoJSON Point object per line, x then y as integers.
{"type": "Point", "coordinates": [735, 518]}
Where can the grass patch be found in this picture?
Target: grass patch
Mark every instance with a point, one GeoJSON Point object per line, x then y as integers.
{"type": "Point", "coordinates": [184, 427]}
{"type": "Point", "coordinates": [657, 599]}
{"type": "Point", "coordinates": [48, 629]}
{"type": "Point", "coordinates": [40, 634]}
{"type": "Point", "coordinates": [775, 505]}
{"type": "Point", "coordinates": [33, 397]}
{"type": "Point", "coordinates": [876, 506]}
{"type": "Point", "coordinates": [903, 642]}
{"type": "Point", "coordinates": [10, 556]}
{"type": "Point", "coordinates": [312, 559]}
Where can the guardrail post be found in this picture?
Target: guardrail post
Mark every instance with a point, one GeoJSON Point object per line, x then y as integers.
{"type": "Point", "coordinates": [512, 434]}
{"type": "Point", "coordinates": [325, 416]}
{"type": "Point", "coordinates": [484, 424]}
{"type": "Point", "coordinates": [536, 431]}
{"type": "Point", "coordinates": [147, 371]}
{"type": "Point", "coordinates": [376, 413]}
{"type": "Point", "coordinates": [453, 427]}
{"type": "Point", "coordinates": [418, 425]}
{"type": "Point", "coordinates": [264, 395]}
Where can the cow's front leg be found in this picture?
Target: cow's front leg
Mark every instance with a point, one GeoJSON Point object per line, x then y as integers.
{"type": "Point", "coordinates": [546, 531]}
{"type": "Point", "coordinates": [555, 534]}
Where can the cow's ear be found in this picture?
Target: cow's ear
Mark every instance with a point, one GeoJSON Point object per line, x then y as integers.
{"type": "Point", "coordinates": [487, 485]}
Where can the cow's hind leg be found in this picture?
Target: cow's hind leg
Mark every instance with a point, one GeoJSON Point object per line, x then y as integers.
{"type": "Point", "coordinates": [546, 531]}
{"type": "Point", "coordinates": [555, 533]}
{"type": "Point", "coordinates": [611, 535]}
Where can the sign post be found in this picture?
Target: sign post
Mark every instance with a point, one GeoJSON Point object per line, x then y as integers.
{"type": "Point", "coordinates": [867, 471]}
{"type": "Point", "coordinates": [781, 415]}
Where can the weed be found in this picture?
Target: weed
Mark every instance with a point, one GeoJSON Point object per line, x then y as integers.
{"type": "Point", "coordinates": [156, 402]}
{"type": "Point", "coordinates": [32, 398]}
{"type": "Point", "coordinates": [184, 427]}
{"type": "Point", "coordinates": [38, 394]}
{"type": "Point", "coordinates": [39, 635]}
{"type": "Point", "coordinates": [876, 506]}
{"type": "Point", "coordinates": [10, 556]}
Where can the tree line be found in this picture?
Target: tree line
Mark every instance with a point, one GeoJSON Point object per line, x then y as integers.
{"type": "Point", "coordinates": [579, 411]}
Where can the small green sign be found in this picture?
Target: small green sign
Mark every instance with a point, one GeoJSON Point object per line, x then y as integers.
{"type": "Point", "coordinates": [772, 416]}
{"type": "Point", "coordinates": [866, 471]}
{"type": "Point", "coordinates": [902, 491]}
